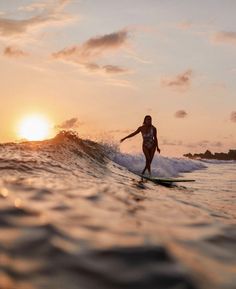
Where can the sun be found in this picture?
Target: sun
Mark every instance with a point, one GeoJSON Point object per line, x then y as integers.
{"type": "Point", "coordinates": [34, 128]}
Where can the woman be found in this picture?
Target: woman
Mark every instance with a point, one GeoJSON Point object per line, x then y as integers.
{"type": "Point", "coordinates": [150, 142]}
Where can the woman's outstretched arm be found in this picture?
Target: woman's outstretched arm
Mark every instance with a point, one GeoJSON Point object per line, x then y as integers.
{"type": "Point", "coordinates": [132, 134]}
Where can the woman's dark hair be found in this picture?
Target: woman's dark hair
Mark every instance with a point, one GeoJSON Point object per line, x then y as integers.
{"type": "Point", "coordinates": [145, 118]}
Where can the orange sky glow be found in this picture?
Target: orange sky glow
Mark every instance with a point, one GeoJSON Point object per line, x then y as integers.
{"type": "Point", "coordinates": [100, 67]}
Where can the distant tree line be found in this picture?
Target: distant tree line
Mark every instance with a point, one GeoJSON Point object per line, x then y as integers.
{"type": "Point", "coordinates": [231, 155]}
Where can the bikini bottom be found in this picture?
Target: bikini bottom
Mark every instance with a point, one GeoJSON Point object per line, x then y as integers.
{"type": "Point", "coordinates": [149, 144]}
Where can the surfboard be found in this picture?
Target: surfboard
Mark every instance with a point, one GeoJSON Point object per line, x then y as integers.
{"type": "Point", "coordinates": [167, 181]}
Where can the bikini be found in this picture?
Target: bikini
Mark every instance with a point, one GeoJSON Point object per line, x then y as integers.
{"type": "Point", "coordinates": [148, 139]}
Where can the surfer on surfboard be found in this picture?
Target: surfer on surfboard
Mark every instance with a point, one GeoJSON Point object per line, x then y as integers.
{"type": "Point", "coordinates": [150, 142]}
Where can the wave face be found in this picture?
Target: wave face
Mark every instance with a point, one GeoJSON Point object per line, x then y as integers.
{"type": "Point", "coordinates": [73, 215]}
{"type": "Point", "coordinates": [68, 152]}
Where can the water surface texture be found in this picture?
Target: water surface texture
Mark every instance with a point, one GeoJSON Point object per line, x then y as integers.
{"type": "Point", "coordinates": [73, 215]}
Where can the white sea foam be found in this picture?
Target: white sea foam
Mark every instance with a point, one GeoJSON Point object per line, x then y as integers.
{"type": "Point", "coordinates": [217, 161]}
{"type": "Point", "coordinates": [161, 166]}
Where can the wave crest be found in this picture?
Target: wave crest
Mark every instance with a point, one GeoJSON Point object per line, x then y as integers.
{"type": "Point", "coordinates": [69, 152]}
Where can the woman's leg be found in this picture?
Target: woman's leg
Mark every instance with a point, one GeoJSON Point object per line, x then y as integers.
{"type": "Point", "coordinates": [152, 153]}
{"type": "Point", "coordinates": [146, 152]}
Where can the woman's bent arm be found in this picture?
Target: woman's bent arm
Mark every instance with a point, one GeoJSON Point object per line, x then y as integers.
{"type": "Point", "coordinates": [156, 140]}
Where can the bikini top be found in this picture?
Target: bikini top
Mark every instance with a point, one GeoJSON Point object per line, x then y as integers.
{"type": "Point", "coordinates": [148, 135]}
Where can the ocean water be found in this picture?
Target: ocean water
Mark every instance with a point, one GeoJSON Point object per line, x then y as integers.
{"type": "Point", "coordinates": [73, 214]}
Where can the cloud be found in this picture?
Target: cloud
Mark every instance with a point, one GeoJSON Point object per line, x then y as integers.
{"type": "Point", "coordinates": [87, 54]}
{"type": "Point", "coordinates": [115, 69]}
{"type": "Point", "coordinates": [167, 142]}
{"type": "Point", "coordinates": [121, 83]}
{"type": "Point", "coordinates": [109, 69]}
{"type": "Point", "coordinates": [119, 131]}
{"type": "Point", "coordinates": [205, 144]}
{"type": "Point", "coordinates": [182, 80]}
{"type": "Point", "coordinates": [51, 13]}
{"type": "Point", "coordinates": [94, 47]}
{"type": "Point", "coordinates": [217, 144]}
{"type": "Point", "coordinates": [11, 51]}
{"type": "Point", "coordinates": [46, 4]}
{"type": "Point", "coordinates": [225, 37]}
{"type": "Point", "coordinates": [233, 116]}
{"type": "Point", "coordinates": [184, 25]}
{"type": "Point", "coordinates": [34, 7]}
{"type": "Point", "coordinates": [106, 42]}
{"type": "Point", "coordinates": [181, 114]}
{"type": "Point", "coordinates": [71, 123]}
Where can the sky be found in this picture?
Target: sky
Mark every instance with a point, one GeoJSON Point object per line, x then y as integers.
{"type": "Point", "coordinates": [100, 66]}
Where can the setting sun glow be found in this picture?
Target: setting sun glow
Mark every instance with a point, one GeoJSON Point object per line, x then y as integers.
{"type": "Point", "coordinates": [34, 128]}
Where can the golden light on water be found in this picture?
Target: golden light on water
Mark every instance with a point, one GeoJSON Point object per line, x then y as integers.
{"type": "Point", "coordinates": [34, 127]}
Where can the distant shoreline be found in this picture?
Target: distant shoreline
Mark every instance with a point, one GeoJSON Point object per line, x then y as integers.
{"type": "Point", "coordinates": [230, 156]}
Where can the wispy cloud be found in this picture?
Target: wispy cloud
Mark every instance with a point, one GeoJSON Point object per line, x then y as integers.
{"type": "Point", "coordinates": [94, 47]}
{"type": "Point", "coordinates": [109, 69]}
{"type": "Point", "coordinates": [182, 80]}
{"type": "Point", "coordinates": [34, 7]}
{"type": "Point", "coordinates": [168, 142]}
{"type": "Point", "coordinates": [49, 13]}
{"type": "Point", "coordinates": [224, 37]}
{"type": "Point", "coordinates": [180, 114]}
{"type": "Point", "coordinates": [204, 144]}
{"type": "Point", "coordinates": [71, 123]}
{"type": "Point", "coordinates": [193, 146]}
{"type": "Point", "coordinates": [120, 82]}
{"type": "Point", "coordinates": [115, 69]}
{"type": "Point", "coordinates": [217, 144]}
{"type": "Point", "coordinates": [233, 116]}
{"type": "Point", "coordinates": [12, 51]}
{"type": "Point", "coordinates": [56, 5]}
{"type": "Point", "coordinates": [119, 131]}
{"type": "Point", "coordinates": [184, 25]}
{"type": "Point", "coordinates": [87, 54]}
